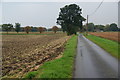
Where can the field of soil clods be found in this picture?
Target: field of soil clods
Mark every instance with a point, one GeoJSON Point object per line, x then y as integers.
{"type": "Point", "coordinates": [24, 53]}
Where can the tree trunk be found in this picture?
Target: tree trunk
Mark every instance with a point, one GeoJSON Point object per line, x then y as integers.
{"type": "Point", "coordinates": [27, 32]}
{"type": "Point", "coordinates": [40, 32]}
{"type": "Point", "coordinates": [7, 32]}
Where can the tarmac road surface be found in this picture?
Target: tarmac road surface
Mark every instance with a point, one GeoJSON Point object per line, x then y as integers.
{"type": "Point", "coordinates": [94, 62]}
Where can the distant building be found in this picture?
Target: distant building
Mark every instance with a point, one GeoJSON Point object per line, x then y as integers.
{"type": "Point", "coordinates": [98, 30]}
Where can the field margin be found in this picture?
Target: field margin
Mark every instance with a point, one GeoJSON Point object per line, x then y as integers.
{"type": "Point", "coordinates": [112, 46]}
{"type": "Point", "coordinates": [58, 68]}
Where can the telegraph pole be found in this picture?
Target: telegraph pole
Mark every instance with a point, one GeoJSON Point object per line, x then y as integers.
{"type": "Point", "coordinates": [87, 26]}
{"type": "Point", "coordinates": [92, 14]}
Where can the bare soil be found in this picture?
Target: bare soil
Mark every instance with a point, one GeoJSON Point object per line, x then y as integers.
{"type": "Point", "coordinates": [24, 53]}
{"type": "Point", "coordinates": [108, 35]}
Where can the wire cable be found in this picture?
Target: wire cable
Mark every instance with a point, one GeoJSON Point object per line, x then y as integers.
{"type": "Point", "coordinates": [96, 8]}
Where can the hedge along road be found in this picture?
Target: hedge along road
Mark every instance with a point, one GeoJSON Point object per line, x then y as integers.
{"type": "Point", "coordinates": [93, 62]}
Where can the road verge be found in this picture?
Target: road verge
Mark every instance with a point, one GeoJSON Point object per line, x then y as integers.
{"type": "Point", "coordinates": [108, 45]}
{"type": "Point", "coordinates": [58, 68]}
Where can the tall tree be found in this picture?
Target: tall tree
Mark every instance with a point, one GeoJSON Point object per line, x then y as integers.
{"type": "Point", "coordinates": [7, 27]}
{"type": "Point", "coordinates": [90, 27]}
{"type": "Point", "coordinates": [70, 18]}
{"type": "Point", "coordinates": [55, 28]}
{"type": "Point", "coordinates": [27, 29]}
{"type": "Point", "coordinates": [40, 29]}
{"type": "Point", "coordinates": [17, 27]}
{"type": "Point", "coordinates": [101, 27]}
{"type": "Point", "coordinates": [107, 27]}
{"type": "Point", "coordinates": [113, 27]}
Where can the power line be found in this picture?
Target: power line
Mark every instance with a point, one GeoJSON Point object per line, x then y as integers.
{"type": "Point", "coordinates": [92, 14]}
{"type": "Point", "coordinates": [96, 8]}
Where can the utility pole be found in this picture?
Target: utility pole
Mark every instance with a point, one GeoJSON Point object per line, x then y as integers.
{"type": "Point", "coordinates": [87, 26]}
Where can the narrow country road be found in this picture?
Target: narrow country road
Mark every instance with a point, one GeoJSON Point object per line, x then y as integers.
{"type": "Point", "coordinates": [93, 62]}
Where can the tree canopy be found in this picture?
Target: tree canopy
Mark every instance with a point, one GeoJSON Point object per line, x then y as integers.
{"type": "Point", "coordinates": [107, 27]}
{"type": "Point", "coordinates": [113, 27]}
{"type": "Point", "coordinates": [55, 28]}
{"type": "Point", "coordinates": [27, 29]}
{"type": "Point", "coordinates": [17, 27]}
{"type": "Point", "coordinates": [7, 27]}
{"type": "Point", "coordinates": [41, 29]}
{"type": "Point", "coordinates": [70, 18]}
{"type": "Point", "coordinates": [90, 27]}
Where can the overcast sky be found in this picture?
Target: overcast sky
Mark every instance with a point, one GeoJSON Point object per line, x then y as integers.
{"type": "Point", "coordinates": [45, 13]}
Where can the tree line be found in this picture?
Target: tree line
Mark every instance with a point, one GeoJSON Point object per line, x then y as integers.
{"type": "Point", "coordinates": [17, 27]}
{"type": "Point", "coordinates": [98, 28]}
{"type": "Point", "coordinates": [71, 21]}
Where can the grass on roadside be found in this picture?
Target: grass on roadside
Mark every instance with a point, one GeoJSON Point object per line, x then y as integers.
{"type": "Point", "coordinates": [58, 68]}
{"type": "Point", "coordinates": [108, 45]}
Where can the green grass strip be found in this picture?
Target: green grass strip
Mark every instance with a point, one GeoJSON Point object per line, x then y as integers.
{"type": "Point", "coordinates": [58, 68]}
{"type": "Point", "coordinates": [108, 45]}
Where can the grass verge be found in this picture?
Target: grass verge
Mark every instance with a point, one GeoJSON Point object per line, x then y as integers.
{"type": "Point", "coordinates": [58, 68]}
{"type": "Point", "coordinates": [108, 45]}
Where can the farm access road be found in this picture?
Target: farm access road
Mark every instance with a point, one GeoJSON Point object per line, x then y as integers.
{"type": "Point", "coordinates": [93, 62]}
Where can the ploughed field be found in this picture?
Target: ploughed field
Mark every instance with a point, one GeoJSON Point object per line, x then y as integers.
{"type": "Point", "coordinates": [24, 53]}
{"type": "Point", "coordinates": [108, 35]}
